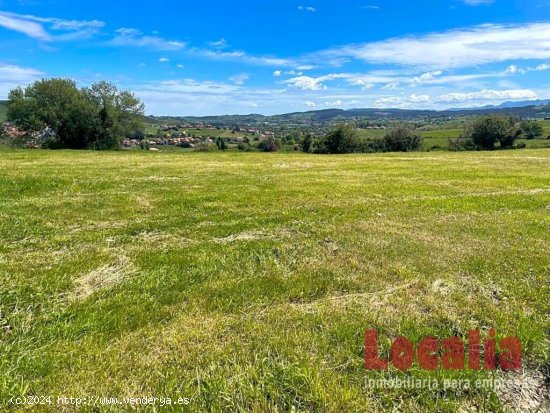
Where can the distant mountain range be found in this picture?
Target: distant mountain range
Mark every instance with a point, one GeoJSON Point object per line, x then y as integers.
{"type": "Point", "coordinates": [524, 109]}
{"type": "Point", "coordinates": [506, 105]}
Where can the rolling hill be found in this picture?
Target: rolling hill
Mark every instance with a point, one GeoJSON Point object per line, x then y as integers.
{"type": "Point", "coordinates": [539, 110]}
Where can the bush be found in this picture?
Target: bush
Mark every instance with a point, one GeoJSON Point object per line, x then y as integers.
{"type": "Point", "coordinates": [269, 145]}
{"type": "Point", "coordinates": [220, 143]}
{"type": "Point", "coordinates": [342, 139]}
{"type": "Point", "coordinates": [402, 139]}
{"type": "Point", "coordinates": [531, 129]}
{"type": "Point", "coordinates": [461, 144]}
{"type": "Point", "coordinates": [487, 131]}
{"type": "Point", "coordinates": [306, 143]}
{"type": "Point", "coordinates": [205, 147]}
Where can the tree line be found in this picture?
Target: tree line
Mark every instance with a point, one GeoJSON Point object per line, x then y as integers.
{"type": "Point", "coordinates": [488, 132]}
{"type": "Point", "coordinates": [101, 116]}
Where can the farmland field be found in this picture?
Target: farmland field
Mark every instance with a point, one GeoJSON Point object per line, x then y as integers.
{"type": "Point", "coordinates": [439, 138]}
{"type": "Point", "coordinates": [245, 281]}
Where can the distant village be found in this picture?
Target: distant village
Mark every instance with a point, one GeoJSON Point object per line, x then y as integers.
{"type": "Point", "coordinates": [34, 141]}
{"type": "Point", "coordinates": [180, 135]}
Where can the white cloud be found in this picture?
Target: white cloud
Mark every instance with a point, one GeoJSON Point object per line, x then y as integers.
{"type": "Point", "coordinates": [12, 76]}
{"type": "Point", "coordinates": [277, 73]}
{"type": "Point", "coordinates": [310, 104]}
{"type": "Point", "coordinates": [425, 77]}
{"type": "Point", "coordinates": [307, 8]}
{"type": "Point", "coordinates": [512, 70]}
{"type": "Point", "coordinates": [419, 99]}
{"type": "Point", "coordinates": [240, 78]}
{"type": "Point", "coordinates": [452, 49]}
{"type": "Point", "coordinates": [33, 26]}
{"type": "Point", "coordinates": [135, 38]}
{"type": "Point", "coordinates": [370, 7]}
{"type": "Point", "coordinates": [222, 43]}
{"type": "Point", "coordinates": [306, 83]}
{"type": "Point", "coordinates": [180, 66]}
{"type": "Point", "coordinates": [387, 102]}
{"type": "Point", "coordinates": [485, 95]}
{"type": "Point", "coordinates": [242, 57]}
{"type": "Point", "coordinates": [164, 60]}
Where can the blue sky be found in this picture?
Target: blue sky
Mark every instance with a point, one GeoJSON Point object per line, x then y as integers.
{"type": "Point", "coordinates": [221, 57]}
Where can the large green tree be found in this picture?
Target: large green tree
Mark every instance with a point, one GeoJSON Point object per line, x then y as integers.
{"type": "Point", "coordinates": [342, 139]}
{"type": "Point", "coordinates": [98, 117]}
{"type": "Point", "coordinates": [119, 113]}
{"type": "Point", "coordinates": [402, 139]}
{"type": "Point", "coordinates": [487, 131]}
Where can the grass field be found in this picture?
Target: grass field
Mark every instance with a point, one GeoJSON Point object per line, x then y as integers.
{"type": "Point", "coordinates": [245, 281]}
{"type": "Point", "coordinates": [439, 138]}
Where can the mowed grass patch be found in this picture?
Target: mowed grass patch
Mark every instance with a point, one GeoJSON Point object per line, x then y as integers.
{"type": "Point", "coordinates": [245, 281]}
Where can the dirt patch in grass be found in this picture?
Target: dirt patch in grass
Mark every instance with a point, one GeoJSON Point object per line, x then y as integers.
{"type": "Point", "coordinates": [525, 391]}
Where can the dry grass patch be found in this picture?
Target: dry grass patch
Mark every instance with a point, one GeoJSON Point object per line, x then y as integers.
{"type": "Point", "coordinates": [102, 278]}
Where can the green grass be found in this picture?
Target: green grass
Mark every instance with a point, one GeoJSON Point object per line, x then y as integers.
{"type": "Point", "coordinates": [439, 138]}
{"type": "Point", "coordinates": [245, 281]}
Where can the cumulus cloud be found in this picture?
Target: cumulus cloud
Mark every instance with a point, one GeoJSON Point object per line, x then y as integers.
{"type": "Point", "coordinates": [306, 83]}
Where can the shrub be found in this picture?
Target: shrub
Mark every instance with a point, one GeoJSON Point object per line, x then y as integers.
{"type": "Point", "coordinates": [342, 139]}
{"type": "Point", "coordinates": [531, 129]}
{"type": "Point", "coordinates": [306, 143]}
{"type": "Point", "coordinates": [269, 145]}
{"type": "Point", "coordinates": [461, 144]}
{"type": "Point", "coordinates": [220, 143]}
{"type": "Point", "coordinates": [402, 139]}
{"type": "Point", "coordinates": [487, 131]}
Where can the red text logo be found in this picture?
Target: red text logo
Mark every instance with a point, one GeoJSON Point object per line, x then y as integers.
{"type": "Point", "coordinates": [452, 355]}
